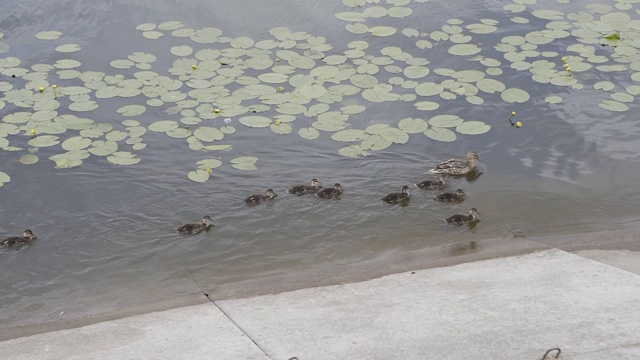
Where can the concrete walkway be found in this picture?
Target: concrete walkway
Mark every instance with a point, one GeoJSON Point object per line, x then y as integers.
{"type": "Point", "coordinates": [507, 308]}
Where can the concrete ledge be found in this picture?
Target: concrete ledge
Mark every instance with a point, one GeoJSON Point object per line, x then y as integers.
{"type": "Point", "coordinates": [507, 308]}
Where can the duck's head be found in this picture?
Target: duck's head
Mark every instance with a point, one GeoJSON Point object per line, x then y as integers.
{"type": "Point", "coordinates": [338, 187]}
{"type": "Point", "coordinates": [315, 182]}
{"type": "Point", "coordinates": [472, 155]}
{"type": "Point", "coordinates": [271, 194]}
{"type": "Point", "coordinates": [459, 192]}
{"type": "Point", "coordinates": [405, 189]}
{"type": "Point", "coordinates": [474, 212]}
{"type": "Point", "coordinates": [28, 233]}
{"type": "Point", "coordinates": [207, 220]}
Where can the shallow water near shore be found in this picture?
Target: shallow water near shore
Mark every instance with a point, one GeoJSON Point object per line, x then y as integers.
{"type": "Point", "coordinates": [107, 236]}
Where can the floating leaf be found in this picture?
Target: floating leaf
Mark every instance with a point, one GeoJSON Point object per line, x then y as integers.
{"type": "Point", "coordinates": [208, 134]}
{"type": "Point", "coordinates": [612, 105]}
{"type": "Point", "coordinates": [48, 35]}
{"type": "Point", "coordinates": [515, 95]}
{"type": "Point", "coordinates": [445, 120]}
{"type": "Point", "coordinates": [395, 135]}
{"type": "Point", "coordinates": [27, 159]}
{"type": "Point", "coordinates": [553, 99]}
{"type": "Point", "coordinates": [473, 128]}
{"type": "Point", "coordinates": [210, 163]}
{"type": "Point", "coordinates": [182, 50]}
{"type": "Point", "coordinates": [44, 141]}
{"type": "Point", "coordinates": [309, 133]}
{"type": "Point", "coordinates": [281, 128]}
{"type": "Point", "coordinates": [412, 125]}
{"type": "Point", "coordinates": [123, 158]}
{"type": "Point", "coordinates": [464, 49]}
{"type": "Point", "coordinates": [131, 110]}
{"type": "Point", "coordinates": [382, 30]}
{"type": "Point", "coordinates": [199, 175]}
{"type": "Point", "coordinates": [68, 48]}
{"type": "Point", "coordinates": [4, 178]}
{"type": "Point", "coordinates": [440, 134]}
{"type": "Point", "coordinates": [255, 121]}
{"type": "Point", "coordinates": [244, 163]}
{"type": "Point", "coordinates": [163, 125]}
{"type": "Point", "coordinates": [76, 143]}
{"type": "Point", "coordinates": [349, 135]}
{"type": "Point", "coordinates": [352, 151]}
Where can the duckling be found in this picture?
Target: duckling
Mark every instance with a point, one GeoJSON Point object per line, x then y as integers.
{"type": "Point", "coordinates": [461, 219]}
{"type": "Point", "coordinates": [192, 229]}
{"type": "Point", "coordinates": [16, 242]}
{"type": "Point", "coordinates": [396, 198]}
{"type": "Point", "coordinates": [329, 193]}
{"type": "Point", "coordinates": [303, 189]}
{"type": "Point", "coordinates": [457, 167]}
{"type": "Point", "coordinates": [433, 184]}
{"type": "Point", "coordinates": [256, 199]}
{"type": "Point", "coordinates": [457, 196]}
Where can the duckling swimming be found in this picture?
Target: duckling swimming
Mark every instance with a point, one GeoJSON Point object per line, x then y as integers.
{"type": "Point", "coordinates": [433, 184]}
{"type": "Point", "coordinates": [192, 229]}
{"type": "Point", "coordinates": [396, 198]}
{"type": "Point", "coordinates": [457, 167]}
{"type": "Point", "coordinates": [329, 193]}
{"type": "Point", "coordinates": [256, 199]}
{"type": "Point", "coordinates": [303, 189]}
{"type": "Point", "coordinates": [461, 219]}
{"type": "Point", "coordinates": [457, 196]}
{"type": "Point", "coordinates": [16, 242]}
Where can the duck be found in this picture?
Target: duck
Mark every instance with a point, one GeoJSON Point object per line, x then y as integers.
{"type": "Point", "coordinates": [256, 199]}
{"type": "Point", "coordinates": [433, 184]}
{"type": "Point", "coordinates": [330, 193]}
{"type": "Point", "coordinates": [192, 229]}
{"type": "Point", "coordinates": [457, 167]}
{"type": "Point", "coordinates": [304, 189]}
{"type": "Point", "coordinates": [457, 196]}
{"type": "Point", "coordinates": [16, 242]}
{"type": "Point", "coordinates": [396, 198]}
{"type": "Point", "coordinates": [462, 219]}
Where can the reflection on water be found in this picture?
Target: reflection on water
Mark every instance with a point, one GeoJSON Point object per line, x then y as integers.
{"type": "Point", "coordinates": [107, 235]}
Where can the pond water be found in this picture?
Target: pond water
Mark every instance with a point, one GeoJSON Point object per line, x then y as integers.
{"type": "Point", "coordinates": [107, 232]}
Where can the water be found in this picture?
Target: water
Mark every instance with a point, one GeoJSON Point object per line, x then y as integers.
{"type": "Point", "coordinates": [107, 235]}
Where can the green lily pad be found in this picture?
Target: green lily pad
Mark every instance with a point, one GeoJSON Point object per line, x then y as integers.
{"type": "Point", "coordinates": [208, 134]}
{"type": "Point", "coordinates": [48, 35]}
{"type": "Point", "coordinates": [445, 121]}
{"type": "Point", "coordinates": [163, 125]}
{"type": "Point", "coordinates": [464, 49]}
{"type": "Point", "coordinates": [309, 133]}
{"type": "Point", "coordinates": [281, 128]}
{"type": "Point", "coordinates": [199, 175]}
{"type": "Point", "coordinates": [255, 121]}
{"type": "Point", "coordinates": [412, 125]}
{"type": "Point", "coordinates": [76, 143]}
{"type": "Point", "coordinates": [68, 48]}
{"type": "Point", "coordinates": [217, 147]}
{"type": "Point", "coordinates": [613, 105]}
{"type": "Point", "coordinates": [473, 128]}
{"type": "Point", "coordinates": [131, 110]}
{"type": "Point", "coordinates": [27, 159]}
{"type": "Point", "coordinates": [395, 135]}
{"type": "Point", "coordinates": [124, 158]}
{"type": "Point", "coordinates": [382, 30]}
{"type": "Point", "coordinates": [182, 50]}
{"type": "Point", "coordinates": [210, 163]}
{"type": "Point", "coordinates": [244, 163]}
{"type": "Point", "coordinates": [44, 141]}
{"type": "Point", "coordinates": [103, 148]}
{"type": "Point", "coordinates": [515, 95]}
{"type": "Point", "coordinates": [553, 99]}
{"type": "Point", "coordinates": [440, 134]}
{"type": "Point", "coordinates": [349, 135]}
{"type": "Point", "coordinates": [352, 151]}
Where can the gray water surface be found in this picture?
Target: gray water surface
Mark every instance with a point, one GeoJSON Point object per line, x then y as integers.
{"type": "Point", "coordinates": [107, 234]}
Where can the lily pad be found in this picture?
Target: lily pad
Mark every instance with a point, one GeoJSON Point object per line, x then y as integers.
{"type": "Point", "coordinates": [255, 121]}
{"type": "Point", "coordinates": [131, 110]}
{"type": "Point", "coordinates": [27, 159]}
{"type": "Point", "coordinates": [281, 128]}
{"type": "Point", "coordinates": [412, 125]}
{"type": "Point", "coordinates": [76, 143]}
{"type": "Point", "coordinates": [4, 178]}
{"type": "Point", "coordinates": [244, 163]}
{"type": "Point", "coordinates": [515, 95]}
{"type": "Point", "coordinates": [44, 141]}
{"type": "Point", "coordinates": [440, 134]}
{"type": "Point", "coordinates": [163, 125]}
{"type": "Point", "coordinates": [445, 121]}
{"type": "Point", "coordinates": [208, 134]}
{"type": "Point", "coordinates": [349, 135]}
{"type": "Point", "coordinates": [309, 133]}
{"type": "Point", "coordinates": [473, 128]}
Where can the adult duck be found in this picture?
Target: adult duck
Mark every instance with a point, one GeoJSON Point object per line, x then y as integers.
{"type": "Point", "coordinates": [457, 167]}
